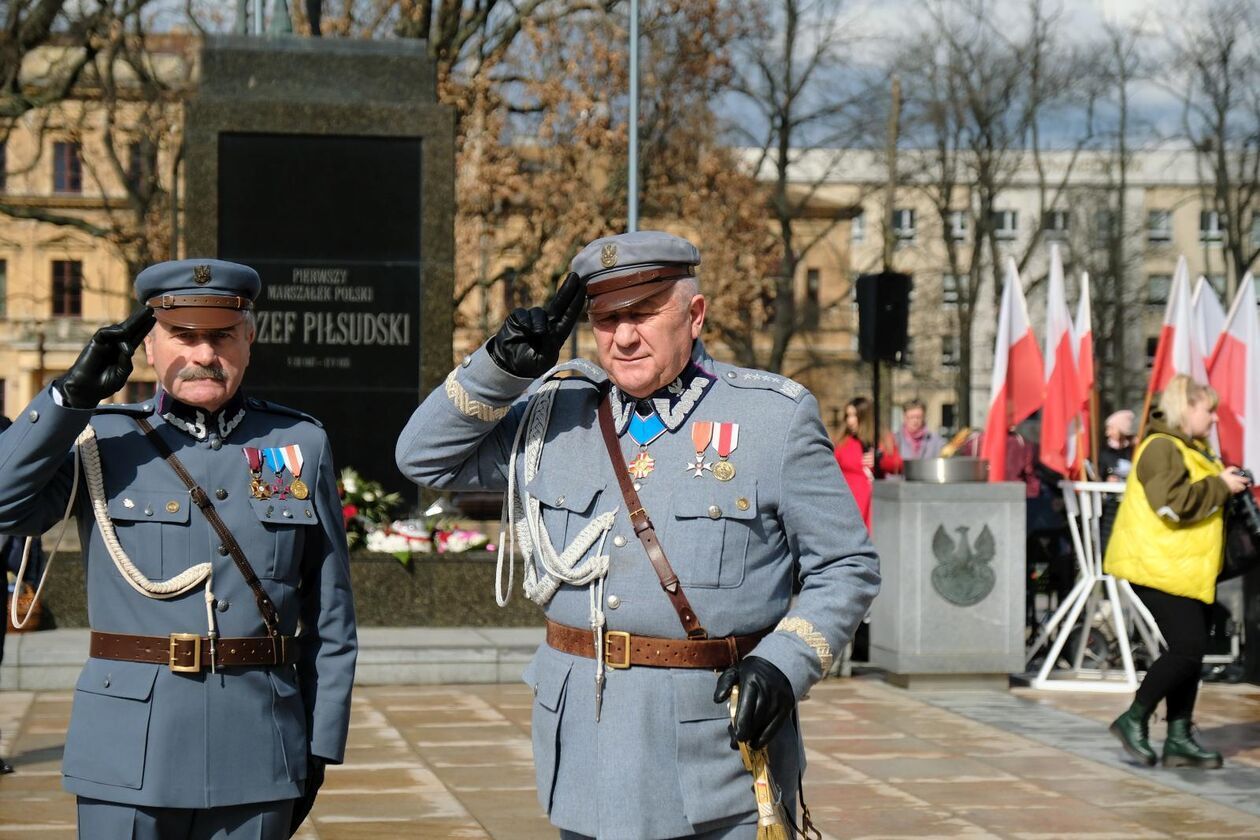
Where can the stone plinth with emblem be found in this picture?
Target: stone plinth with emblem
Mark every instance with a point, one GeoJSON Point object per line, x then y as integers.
{"type": "Point", "coordinates": [328, 166]}
{"type": "Point", "coordinates": [950, 612]}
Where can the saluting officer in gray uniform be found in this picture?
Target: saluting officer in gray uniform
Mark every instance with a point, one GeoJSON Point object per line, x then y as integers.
{"type": "Point", "coordinates": [199, 714]}
{"type": "Point", "coordinates": [730, 475]}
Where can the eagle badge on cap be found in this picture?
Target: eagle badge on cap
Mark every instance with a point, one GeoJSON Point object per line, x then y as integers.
{"type": "Point", "coordinates": [608, 255]}
{"type": "Point", "coordinates": [201, 274]}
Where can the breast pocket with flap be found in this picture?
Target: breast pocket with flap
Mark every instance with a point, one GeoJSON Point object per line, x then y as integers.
{"type": "Point", "coordinates": [707, 536]}
{"type": "Point", "coordinates": [288, 524]}
{"type": "Point", "coordinates": [567, 501]}
{"type": "Point", "coordinates": [153, 529]}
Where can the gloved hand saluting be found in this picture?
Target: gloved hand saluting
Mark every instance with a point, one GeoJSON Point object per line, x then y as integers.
{"type": "Point", "coordinates": [104, 365]}
{"type": "Point", "coordinates": [528, 344]}
{"type": "Point", "coordinates": [765, 700]}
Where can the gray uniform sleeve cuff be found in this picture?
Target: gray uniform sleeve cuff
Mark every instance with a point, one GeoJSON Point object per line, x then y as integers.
{"type": "Point", "coordinates": [792, 655]}
{"type": "Point", "coordinates": [479, 388]}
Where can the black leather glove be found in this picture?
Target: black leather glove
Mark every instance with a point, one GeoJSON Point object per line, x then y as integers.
{"type": "Point", "coordinates": [528, 344]}
{"type": "Point", "coordinates": [303, 804]}
{"type": "Point", "coordinates": [105, 363]}
{"type": "Point", "coordinates": [765, 700]}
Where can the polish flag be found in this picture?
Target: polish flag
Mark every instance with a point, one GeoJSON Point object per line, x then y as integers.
{"type": "Point", "coordinates": [1018, 387]}
{"type": "Point", "coordinates": [1235, 374]}
{"type": "Point", "coordinates": [1178, 351]}
{"type": "Point", "coordinates": [1060, 416]}
{"type": "Point", "coordinates": [1209, 316]}
{"type": "Point", "coordinates": [1083, 330]}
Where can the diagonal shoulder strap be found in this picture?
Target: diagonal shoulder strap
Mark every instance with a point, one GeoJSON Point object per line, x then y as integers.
{"type": "Point", "coordinates": [645, 532]}
{"type": "Point", "coordinates": [202, 500]}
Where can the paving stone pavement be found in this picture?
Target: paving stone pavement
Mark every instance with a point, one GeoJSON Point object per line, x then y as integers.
{"type": "Point", "coordinates": [454, 762]}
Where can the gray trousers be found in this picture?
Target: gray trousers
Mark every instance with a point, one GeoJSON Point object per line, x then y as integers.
{"type": "Point", "coordinates": [99, 820]}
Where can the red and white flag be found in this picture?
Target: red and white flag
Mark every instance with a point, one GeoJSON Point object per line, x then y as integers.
{"type": "Point", "coordinates": [1017, 374]}
{"type": "Point", "coordinates": [1234, 371]}
{"type": "Point", "coordinates": [1209, 316]}
{"type": "Point", "coordinates": [1178, 350]}
{"type": "Point", "coordinates": [1060, 415]}
{"type": "Point", "coordinates": [1084, 330]}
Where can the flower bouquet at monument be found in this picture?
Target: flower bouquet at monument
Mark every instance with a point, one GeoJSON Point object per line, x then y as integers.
{"type": "Point", "coordinates": [365, 506]}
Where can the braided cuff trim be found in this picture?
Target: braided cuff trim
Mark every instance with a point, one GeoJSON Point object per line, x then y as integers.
{"type": "Point", "coordinates": [470, 407]}
{"type": "Point", "coordinates": [802, 628]}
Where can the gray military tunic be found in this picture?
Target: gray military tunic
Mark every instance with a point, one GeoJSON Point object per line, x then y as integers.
{"type": "Point", "coordinates": [139, 733]}
{"type": "Point", "coordinates": [658, 763]}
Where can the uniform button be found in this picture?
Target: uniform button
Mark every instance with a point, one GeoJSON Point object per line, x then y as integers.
{"type": "Point", "coordinates": [215, 443]}
{"type": "Point", "coordinates": [714, 511]}
{"type": "Point", "coordinates": [741, 503]}
{"type": "Point", "coordinates": [637, 487]}
{"type": "Point", "coordinates": [468, 361]}
{"type": "Point", "coordinates": [287, 514]}
{"type": "Point", "coordinates": [559, 500]}
{"type": "Point", "coordinates": [619, 541]}
{"type": "Point", "coordinates": [220, 494]}
{"type": "Point", "coordinates": [106, 682]}
{"type": "Point", "coordinates": [33, 415]}
{"type": "Point", "coordinates": [223, 550]}
{"type": "Point", "coordinates": [148, 511]}
{"type": "Point", "coordinates": [730, 374]}
{"type": "Point", "coordinates": [224, 605]}
{"type": "Point", "coordinates": [146, 408]}
{"type": "Point", "coordinates": [613, 602]}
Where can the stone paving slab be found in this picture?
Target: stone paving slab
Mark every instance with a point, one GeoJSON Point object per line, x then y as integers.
{"type": "Point", "coordinates": [453, 761]}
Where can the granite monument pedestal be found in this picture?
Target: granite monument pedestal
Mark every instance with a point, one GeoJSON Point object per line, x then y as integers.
{"type": "Point", "coordinates": [951, 609]}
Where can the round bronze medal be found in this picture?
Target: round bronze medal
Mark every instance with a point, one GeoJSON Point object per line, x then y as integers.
{"type": "Point", "coordinates": [723, 470]}
{"type": "Point", "coordinates": [299, 489]}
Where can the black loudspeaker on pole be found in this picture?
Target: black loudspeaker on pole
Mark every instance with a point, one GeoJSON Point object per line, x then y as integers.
{"type": "Point", "coordinates": [883, 321]}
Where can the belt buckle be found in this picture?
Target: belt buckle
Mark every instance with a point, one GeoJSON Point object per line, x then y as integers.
{"type": "Point", "coordinates": [195, 667]}
{"type": "Point", "coordinates": [625, 661]}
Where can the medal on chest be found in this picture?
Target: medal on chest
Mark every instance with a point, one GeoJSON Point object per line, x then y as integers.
{"type": "Point", "coordinates": [258, 489]}
{"type": "Point", "coordinates": [644, 430]}
{"type": "Point", "coordinates": [701, 434]}
{"type": "Point", "coordinates": [293, 459]}
{"type": "Point", "coordinates": [725, 439]}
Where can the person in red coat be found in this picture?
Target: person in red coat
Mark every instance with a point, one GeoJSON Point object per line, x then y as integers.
{"type": "Point", "coordinates": [858, 457]}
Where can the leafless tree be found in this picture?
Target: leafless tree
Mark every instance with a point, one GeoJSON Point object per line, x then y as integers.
{"type": "Point", "coordinates": [1215, 69]}
{"type": "Point", "coordinates": [981, 88]}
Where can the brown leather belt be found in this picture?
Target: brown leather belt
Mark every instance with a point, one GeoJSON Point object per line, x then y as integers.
{"type": "Point", "coordinates": [188, 653]}
{"type": "Point", "coordinates": [622, 649]}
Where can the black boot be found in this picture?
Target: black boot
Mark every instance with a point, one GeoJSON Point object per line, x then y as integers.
{"type": "Point", "coordinates": [1133, 730]}
{"type": "Point", "coordinates": [1181, 750]}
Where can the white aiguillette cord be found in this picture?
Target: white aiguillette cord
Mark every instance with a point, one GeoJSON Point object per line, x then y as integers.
{"type": "Point", "coordinates": [88, 456]}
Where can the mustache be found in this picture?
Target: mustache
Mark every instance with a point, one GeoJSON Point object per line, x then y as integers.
{"type": "Point", "coordinates": [194, 373]}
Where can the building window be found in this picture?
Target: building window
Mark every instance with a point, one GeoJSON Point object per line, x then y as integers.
{"type": "Point", "coordinates": [949, 351]}
{"type": "Point", "coordinates": [951, 289]}
{"type": "Point", "coordinates": [809, 316]}
{"type": "Point", "coordinates": [1104, 228]}
{"type": "Point", "coordinates": [1005, 224]}
{"type": "Point", "coordinates": [1152, 345]}
{"type": "Point", "coordinates": [4, 288]}
{"type": "Point", "coordinates": [1055, 224]}
{"type": "Point", "coordinates": [1255, 229]}
{"type": "Point", "coordinates": [958, 225]}
{"type": "Point", "coordinates": [1157, 288]}
{"type": "Point", "coordinates": [903, 224]}
{"type": "Point", "coordinates": [949, 415]}
{"type": "Point", "coordinates": [67, 168]}
{"type": "Point", "coordinates": [141, 164]}
{"type": "Point", "coordinates": [1210, 226]}
{"type": "Point", "coordinates": [1159, 227]}
{"type": "Point", "coordinates": [857, 227]}
{"type": "Point", "coordinates": [67, 287]}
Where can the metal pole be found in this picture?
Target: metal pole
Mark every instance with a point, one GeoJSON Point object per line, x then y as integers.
{"type": "Point", "coordinates": [256, 24]}
{"type": "Point", "coordinates": [632, 223]}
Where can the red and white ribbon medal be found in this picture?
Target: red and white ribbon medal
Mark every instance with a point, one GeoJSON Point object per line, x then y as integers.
{"type": "Point", "coordinates": [725, 441]}
{"type": "Point", "coordinates": [701, 435]}
{"type": "Point", "coordinates": [293, 459]}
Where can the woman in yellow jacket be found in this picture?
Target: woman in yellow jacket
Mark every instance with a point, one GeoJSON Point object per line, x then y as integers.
{"type": "Point", "coordinates": [1168, 542]}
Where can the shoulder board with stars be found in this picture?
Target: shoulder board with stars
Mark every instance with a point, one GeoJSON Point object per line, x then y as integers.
{"type": "Point", "coordinates": [764, 381]}
{"type": "Point", "coordinates": [578, 369]}
{"type": "Point", "coordinates": [265, 405]}
{"type": "Point", "coordinates": [130, 409]}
